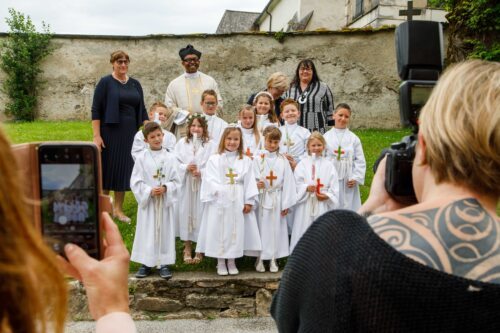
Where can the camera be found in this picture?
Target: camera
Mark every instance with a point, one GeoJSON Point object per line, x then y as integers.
{"type": "Point", "coordinates": [62, 181]}
{"type": "Point", "coordinates": [419, 54]}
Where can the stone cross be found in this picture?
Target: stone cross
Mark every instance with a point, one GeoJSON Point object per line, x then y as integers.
{"type": "Point", "coordinates": [410, 12]}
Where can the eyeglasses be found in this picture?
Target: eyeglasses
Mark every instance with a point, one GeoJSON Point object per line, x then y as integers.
{"type": "Point", "coordinates": [210, 103]}
{"type": "Point", "coordinates": [305, 69]}
{"type": "Point", "coordinates": [191, 60]}
{"type": "Point", "coordinates": [122, 62]}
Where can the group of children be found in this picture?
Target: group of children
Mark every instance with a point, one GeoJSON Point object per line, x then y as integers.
{"type": "Point", "coordinates": [239, 189]}
{"type": "Point", "coordinates": [70, 211]}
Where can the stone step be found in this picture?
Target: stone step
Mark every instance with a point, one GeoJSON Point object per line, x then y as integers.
{"type": "Point", "coordinates": [190, 295]}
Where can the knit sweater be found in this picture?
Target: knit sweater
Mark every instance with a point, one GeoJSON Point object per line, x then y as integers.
{"type": "Point", "coordinates": [343, 277]}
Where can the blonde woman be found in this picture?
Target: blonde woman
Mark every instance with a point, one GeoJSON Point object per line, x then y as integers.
{"type": "Point", "coordinates": [277, 84]}
{"type": "Point", "coordinates": [430, 267]}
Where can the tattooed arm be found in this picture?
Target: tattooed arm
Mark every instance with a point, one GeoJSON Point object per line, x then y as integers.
{"type": "Point", "coordinates": [460, 238]}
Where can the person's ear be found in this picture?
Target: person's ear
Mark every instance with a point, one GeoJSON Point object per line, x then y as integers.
{"type": "Point", "coordinates": [421, 148]}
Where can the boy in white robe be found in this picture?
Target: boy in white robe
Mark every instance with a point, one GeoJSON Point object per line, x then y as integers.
{"type": "Point", "coordinates": [293, 136]}
{"type": "Point", "coordinates": [215, 124]}
{"type": "Point", "coordinates": [277, 194]}
{"type": "Point", "coordinates": [158, 113]}
{"type": "Point", "coordinates": [229, 191]}
{"type": "Point", "coordinates": [192, 153]}
{"type": "Point", "coordinates": [155, 183]}
{"type": "Point", "coordinates": [317, 187]}
{"type": "Point", "coordinates": [345, 151]}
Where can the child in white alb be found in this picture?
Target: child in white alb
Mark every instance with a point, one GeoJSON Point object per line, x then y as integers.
{"type": "Point", "coordinates": [229, 191]}
{"type": "Point", "coordinates": [317, 187]}
{"type": "Point", "coordinates": [248, 125]}
{"type": "Point", "coordinates": [265, 115]}
{"type": "Point", "coordinates": [344, 148]}
{"type": "Point", "coordinates": [192, 153]}
{"type": "Point", "coordinates": [276, 185]}
{"type": "Point", "coordinates": [157, 113]}
{"type": "Point", "coordinates": [155, 183]}
{"type": "Point", "coordinates": [215, 124]}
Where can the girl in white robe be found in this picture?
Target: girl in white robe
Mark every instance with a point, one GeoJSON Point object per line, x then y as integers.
{"type": "Point", "coordinates": [317, 187]}
{"type": "Point", "coordinates": [192, 153]}
{"type": "Point", "coordinates": [248, 124]}
{"type": "Point", "coordinates": [155, 183]}
{"type": "Point", "coordinates": [345, 151]}
{"type": "Point", "coordinates": [277, 195]}
{"type": "Point", "coordinates": [265, 115]}
{"type": "Point", "coordinates": [229, 191]}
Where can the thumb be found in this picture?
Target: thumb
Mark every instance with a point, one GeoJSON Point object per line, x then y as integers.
{"type": "Point", "coordinates": [78, 257]}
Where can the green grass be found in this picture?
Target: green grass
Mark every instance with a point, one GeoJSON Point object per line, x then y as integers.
{"type": "Point", "coordinates": [373, 142]}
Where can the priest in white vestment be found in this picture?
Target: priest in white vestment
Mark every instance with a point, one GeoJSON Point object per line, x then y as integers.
{"type": "Point", "coordinates": [183, 94]}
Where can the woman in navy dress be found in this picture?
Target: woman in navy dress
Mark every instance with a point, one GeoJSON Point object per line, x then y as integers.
{"type": "Point", "coordinates": [118, 111]}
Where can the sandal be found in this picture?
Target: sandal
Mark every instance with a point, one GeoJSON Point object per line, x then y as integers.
{"type": "Point", "coordinates": [197, 258]}
{"type": "Point", "coordinates": [187, 256]}
{"type": "Point", "coordinates": [122, 218]}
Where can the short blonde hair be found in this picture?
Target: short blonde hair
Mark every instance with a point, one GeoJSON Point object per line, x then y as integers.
{"type": "Point", "coordinates": [279, 81]}
{"type": "Point", "coordinates": [461, 126]}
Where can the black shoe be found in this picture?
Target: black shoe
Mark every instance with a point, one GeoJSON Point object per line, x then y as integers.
{"type": "Point", "coordinates": [165, 272]}
{"type": "Point", "coordinates": [143, 272]}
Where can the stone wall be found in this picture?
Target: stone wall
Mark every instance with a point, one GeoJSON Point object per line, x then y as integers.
{"type": "Point", "coordinates": [194, 295]}
{"type": "Point", "coordinates": [359, 67]}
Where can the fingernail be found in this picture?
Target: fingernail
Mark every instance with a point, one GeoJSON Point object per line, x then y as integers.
{"type": "Point", "coordinates": [69, 247]}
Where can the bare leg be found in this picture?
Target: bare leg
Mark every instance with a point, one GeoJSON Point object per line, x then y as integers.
{"type": "Point", "coordinates": [118, 209]}
{"type": "Point", "coordinates": [187, 252]}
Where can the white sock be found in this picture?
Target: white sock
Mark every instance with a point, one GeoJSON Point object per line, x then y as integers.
{"type": "Point", "coordinates": [221, 262]}
{"type": "Point", "coordinates": [231, 263]}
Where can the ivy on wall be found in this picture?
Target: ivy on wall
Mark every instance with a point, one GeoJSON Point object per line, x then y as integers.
{"type": "Point", "coordinates": [20, 58]}
{"type": "Point", "coordinates": [473, 30]}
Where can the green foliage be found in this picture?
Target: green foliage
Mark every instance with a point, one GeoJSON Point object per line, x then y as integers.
{"type": "Point", "coordinates": [20, 59]}
{"type": "Point", "coordinates": [280, 36]}
{"type": "Point", "coordinates": [476, 24]}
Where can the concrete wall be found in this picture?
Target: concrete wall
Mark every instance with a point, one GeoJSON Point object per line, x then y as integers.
{"type": "Point", "coordinates": [359, 67]}
{"type": "Point", "coordinates": [328, 15]}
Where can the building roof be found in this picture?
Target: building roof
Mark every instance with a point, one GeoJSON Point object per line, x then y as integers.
{"type": "Point", "coordinates": [236, 21]}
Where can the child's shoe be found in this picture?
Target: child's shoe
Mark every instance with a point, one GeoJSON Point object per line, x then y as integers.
{"type": "Point", "coordinates": [231, 267]}
{"type": "Point", "coordinates": [259, 266]}
{"type": "Point", "coordinates": [165, 272]}
{"type": "Point", "coordinates": [143, 272]}
{"type": "Point", "coordinates": [221, 267]}
{"type": "Point", "coordinates": [273, 266]}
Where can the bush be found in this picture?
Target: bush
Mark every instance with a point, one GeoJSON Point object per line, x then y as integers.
{"type": "Point", "coordinates": [20, 59]}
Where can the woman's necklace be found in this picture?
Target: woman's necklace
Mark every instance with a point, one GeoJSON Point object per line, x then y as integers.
{"type": "Point", "coordinates": [124, 81]}
{"type": "Point", "coordinates": [303, 97]}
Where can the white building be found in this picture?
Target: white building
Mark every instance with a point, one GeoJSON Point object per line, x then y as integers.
{"type": "Point", "coordinates": [309, 15]}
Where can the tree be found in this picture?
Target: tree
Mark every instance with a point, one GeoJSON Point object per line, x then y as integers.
{"type": "Point", "coordinates": [20, 58]}
{"type": "Point", "coordinates": [474, 27]}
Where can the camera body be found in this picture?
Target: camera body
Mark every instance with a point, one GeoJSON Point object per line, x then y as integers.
{"type": "Point", "coordinates": [419, 53]}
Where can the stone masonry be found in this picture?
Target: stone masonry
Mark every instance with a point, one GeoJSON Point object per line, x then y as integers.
{"type": "Point", "coordinates": [359, 67]}
{"type": "Point", "coordinates": [191, 295]}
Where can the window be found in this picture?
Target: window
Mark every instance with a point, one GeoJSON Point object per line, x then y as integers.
{"type": "Point", "coordinates": [358, 10]}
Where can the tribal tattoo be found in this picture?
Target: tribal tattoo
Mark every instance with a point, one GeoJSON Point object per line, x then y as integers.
{"type": "Point", "coordinates": [461, 238]}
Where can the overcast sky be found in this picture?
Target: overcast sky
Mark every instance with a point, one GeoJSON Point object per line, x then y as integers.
{"type": "Point", "coordinates": [127, 17]}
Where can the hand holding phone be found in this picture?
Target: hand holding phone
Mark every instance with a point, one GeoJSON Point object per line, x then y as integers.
{"type": "Point", "coordinates": [105, 281]}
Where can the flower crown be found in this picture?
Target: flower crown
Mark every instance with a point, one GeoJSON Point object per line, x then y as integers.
{"type": "Point", "coordinates": [193, 116]}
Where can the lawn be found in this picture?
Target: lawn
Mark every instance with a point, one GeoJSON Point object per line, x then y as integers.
{"type": "Point", "coordinates": [373, 141]}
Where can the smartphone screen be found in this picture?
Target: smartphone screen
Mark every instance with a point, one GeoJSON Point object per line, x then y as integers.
{"type": "Point", "coordinates": [69, 196]}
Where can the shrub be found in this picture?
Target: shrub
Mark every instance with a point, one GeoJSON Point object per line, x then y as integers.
{"type": "Point", "coordinates": [20, 59]}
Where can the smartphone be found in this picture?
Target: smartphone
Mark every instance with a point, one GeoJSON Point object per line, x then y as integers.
{"type": "Point", "coordinates": [69, 196]}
